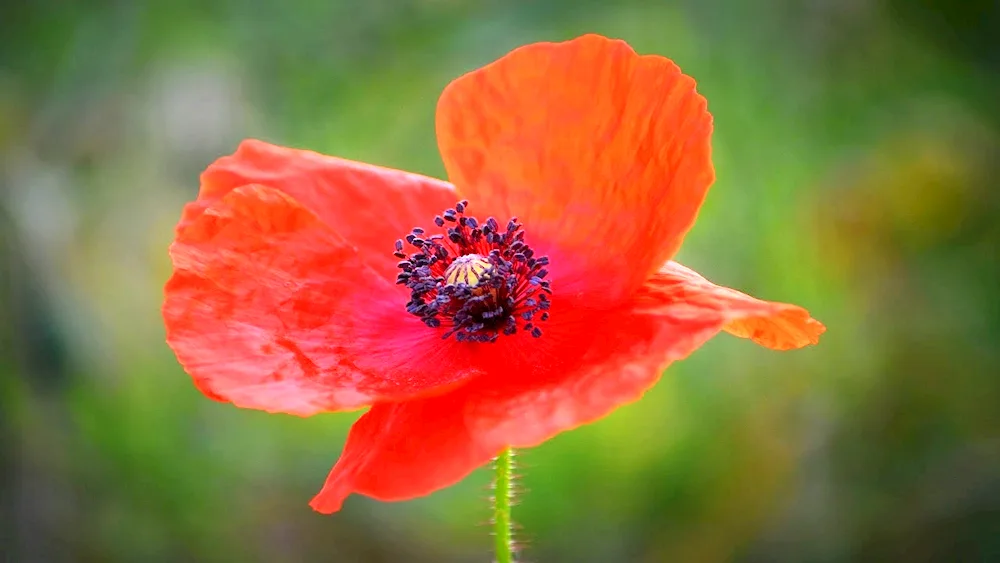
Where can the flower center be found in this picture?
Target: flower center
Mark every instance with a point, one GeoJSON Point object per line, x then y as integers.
{"type": "Point", "coordinates": [478, 281]}
{"type": "Point", "coordinates": [469, 269]}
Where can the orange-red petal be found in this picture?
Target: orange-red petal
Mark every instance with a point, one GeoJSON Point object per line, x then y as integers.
{"type": "Point", "coordinates": [779, 326]}
{"type": "Point", "coordinates": [602, 153]}
{"type": "Point", "coordinates": [580, 375]}
{"type": "Point", "coordinates": [272, 309]}
{"type": "Point", "coordinates": [673, 314]}
{"type": "Point", "coordinates": [402, 451]}
{"type": "Point", "coordinates": [369, 206]}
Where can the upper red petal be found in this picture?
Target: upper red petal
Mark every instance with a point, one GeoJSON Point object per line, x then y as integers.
{"type": "Point", "coordinates": [370, 206]}
{"type": "Point", "coordinates": [602, 153]}
{"type": "Point", "coordinates": [576, 373]}
{"type": "Point", "coordinates": [270, 308]}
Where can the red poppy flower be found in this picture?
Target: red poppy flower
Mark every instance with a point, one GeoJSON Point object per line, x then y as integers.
{"type": "Point", "coordinates": [301, 286]}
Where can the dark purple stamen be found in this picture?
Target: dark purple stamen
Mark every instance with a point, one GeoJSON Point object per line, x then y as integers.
{"type": "Point", "coordinates": [475, 280]}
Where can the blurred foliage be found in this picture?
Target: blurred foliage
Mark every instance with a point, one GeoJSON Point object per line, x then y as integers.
{"type": "Point", "coordinates": [856, 146]}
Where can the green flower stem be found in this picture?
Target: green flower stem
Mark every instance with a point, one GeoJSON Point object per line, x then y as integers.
{"type": "Point", "coordinates": [502, 495]}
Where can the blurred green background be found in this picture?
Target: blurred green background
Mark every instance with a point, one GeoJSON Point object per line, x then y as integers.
{"type": "Point", "coordinates": [856, 146]}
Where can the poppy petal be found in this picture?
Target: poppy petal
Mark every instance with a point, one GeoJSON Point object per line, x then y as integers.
{"type": "Point", "coordinates": [370, 206]}
{"type": "Point", "coordinates": [270, 308]}
{"type": "Point", "coordinates": [603, 154]}
{"type": "Point", "coordinates": [402, 451]}
{"type": "Point", "coordinates": [778, 326]}
{"type": "Point", "coordinates": [672, 315]}
{"type": "Point", "coordinates": [406, 450]}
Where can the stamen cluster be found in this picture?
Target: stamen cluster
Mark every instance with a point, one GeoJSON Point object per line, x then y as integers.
{"type": "Point", "coordinates": [506, 292]}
